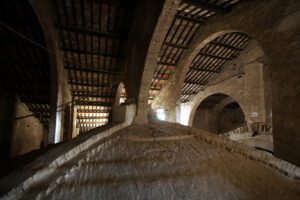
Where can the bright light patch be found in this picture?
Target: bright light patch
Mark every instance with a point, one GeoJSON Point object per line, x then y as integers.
{"type": "Point", "coordinates": [160, 114]}
{"type": "Point", "coordinates": [185, 114]}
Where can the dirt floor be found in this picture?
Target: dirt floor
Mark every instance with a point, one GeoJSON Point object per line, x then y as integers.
{"type": "Point", "coordinates": [172, 169]}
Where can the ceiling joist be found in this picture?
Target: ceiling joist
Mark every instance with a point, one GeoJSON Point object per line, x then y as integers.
{"type": "Point", "coordinates": [207, 6]}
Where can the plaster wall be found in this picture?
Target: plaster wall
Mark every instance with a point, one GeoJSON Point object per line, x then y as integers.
{"type": "Point", "coordinates": [27, 133]}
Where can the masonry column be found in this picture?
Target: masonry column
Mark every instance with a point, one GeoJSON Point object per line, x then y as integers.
{"type": "Point", "coordinates": [60, 91]}
{"type": "Point", "coordinates": [254, 93]}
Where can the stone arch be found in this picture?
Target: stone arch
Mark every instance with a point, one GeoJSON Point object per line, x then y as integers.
{"type": "Point", "coordinates": [218, 113]}
{"type": "Point", "coordinates": [164, 21]}
{"type": "Point", "coordinates": [251, 57]}
{"type": "Point", "coordinates": [280, 43]}
{"type": "Point", "coordinates": [60, 89]}
{"type": "Point", "coordinates": [28, 51]}
{"type": "Point", "coordinates": [209, 59]}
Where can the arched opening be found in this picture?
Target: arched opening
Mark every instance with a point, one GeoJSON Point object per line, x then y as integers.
{"type": "Point", "coordinates": [120, 95]}
{"type": "Point", "coordinates": [231, 63]}
{"type": "Point", "coordinates": [219, 113]}
{"type": "Point", "coordinates": [24, 80]}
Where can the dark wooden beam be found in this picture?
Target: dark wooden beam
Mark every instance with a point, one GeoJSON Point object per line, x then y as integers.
{"type": "Point", "coordinates": [207, 6]}
{"type": "Point", "coordinates": [214, 56]}
{"type": "Point", "coordinates": [188, 93]}
{"type": "Point", "coordinates": [95, 32]}
{"type": "Point", "coordinates": [190, 19]}
{"type": "Point", "coordinates": [92, 70]}
{"type": "Point", "coordinates": [90, 53]}
{"type": "Point", "coordinates": [204, 70]}
{"type": "Point", "coordinates": [226, 46]}
{"type": "Point", "coordinates": [175, 45]}
{"type": "Point", "coordinates": [194, 82]}
{"type": "Point", "coordinates": [91, 84]}
{"type": "Point", "coordinates": [45, 110]}
{"type": "Point", "coordinates": [166, 63]}
{"type": "Point", "coordinates": [93, 103]}
{"type": "Point", "coordinates": [91, 95]}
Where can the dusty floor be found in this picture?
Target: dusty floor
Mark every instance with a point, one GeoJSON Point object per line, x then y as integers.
{"type": "Point", "coordinates": [181, 169]}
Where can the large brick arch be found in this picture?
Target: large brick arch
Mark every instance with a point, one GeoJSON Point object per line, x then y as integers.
{"type": "Point", "coordinates": [271, 24]}
{"type": "Point", "coordinates": [60, 92]}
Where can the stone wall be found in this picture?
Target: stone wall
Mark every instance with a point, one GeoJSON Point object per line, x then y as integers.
{"type": "Point", "coordinates": [27, 133]}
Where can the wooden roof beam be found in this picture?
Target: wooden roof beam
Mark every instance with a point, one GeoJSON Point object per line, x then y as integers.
{"type": "Point", "coordinates": [92, 70]}
{"type": "Point", "coordinates": [103, 34]}
{"type": "Point", "coordinates": [226, 46]}
{"type": "Point", "coordinates": [91, 85]}
{"type": "Point", "coordinates": [93, 103]}
{"type": "Point", "coordinates": [194, 82]}
{"type": "Point", "coordinates": [91, 95]}
{"type": "Point", "coordinates": [188, 93]}
{"type": "Point", "coordinates": [166, 63]}
{"type": "Point", "coordinates": [204, 70]}
{"type": "Point", "coordinates": [179, 46]}
{"type": "Point", "coordinates": [214, 56]}
{"type": "Point", "coordinates": [90, 53]}
{"type": "Point", "coordinates": [207, 6]}
{"type": "Point", "coordinates": [190, 19]}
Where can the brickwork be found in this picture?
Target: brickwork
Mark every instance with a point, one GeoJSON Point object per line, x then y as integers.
{"type": "Point", "coordinates": [274, 25]}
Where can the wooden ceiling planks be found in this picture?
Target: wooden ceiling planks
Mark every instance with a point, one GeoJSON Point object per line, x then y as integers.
{"type": "Point", "coordinates": [191, 15]}
{"type": "Point", "coordinates": [210, 60]}
{"type": "Point", "coordinates": [24, 67]}
{"type": "Point", "coordinates": [91, 35]}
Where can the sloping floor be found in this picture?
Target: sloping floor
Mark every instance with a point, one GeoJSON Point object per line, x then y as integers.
{"type": "Point", "coordinates": [173, 169]}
